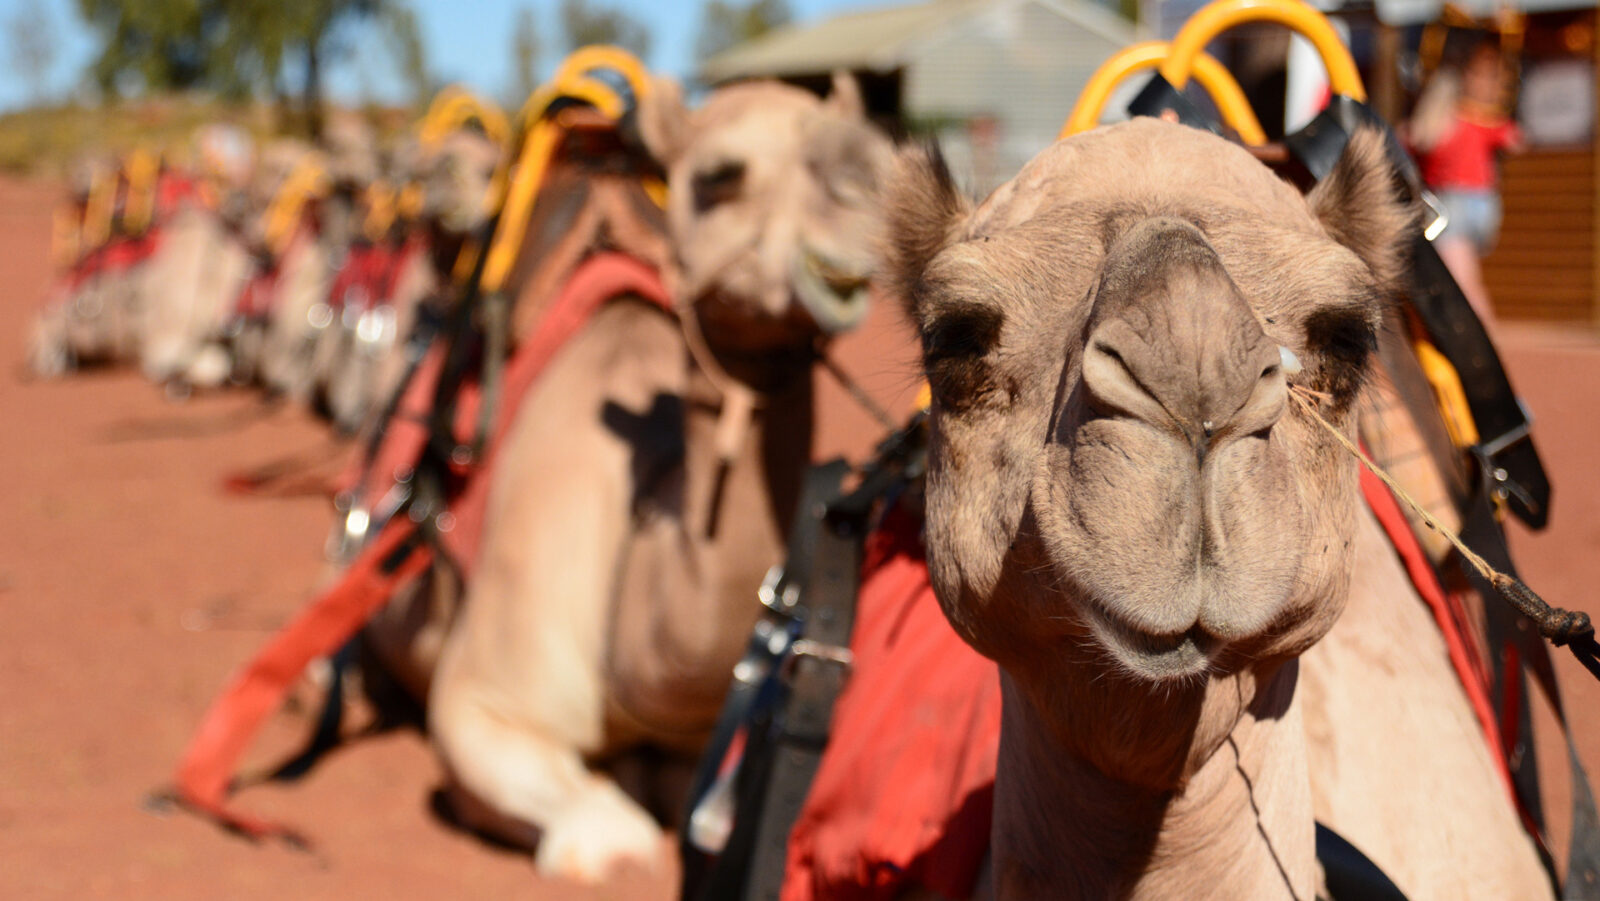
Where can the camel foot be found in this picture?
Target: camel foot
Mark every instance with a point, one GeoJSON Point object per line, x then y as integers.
{"type": "Point", "coordinates": [599, 833]}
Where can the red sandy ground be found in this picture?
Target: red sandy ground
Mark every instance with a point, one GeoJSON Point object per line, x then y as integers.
{"type": "Point", "coordinates": [131, 586]}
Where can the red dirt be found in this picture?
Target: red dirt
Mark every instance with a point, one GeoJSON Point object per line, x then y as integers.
{"type": "Point", "coordinates": [132, 586]}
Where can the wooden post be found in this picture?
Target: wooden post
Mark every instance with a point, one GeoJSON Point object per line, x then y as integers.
{"type": "Point", "coordinates": [1386, 75]}
{"type": "Point", "coordinates": [1594, 176]}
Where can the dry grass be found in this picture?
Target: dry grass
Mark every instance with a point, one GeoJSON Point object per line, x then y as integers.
{"type": "Point", "coordinates": [44, 141]}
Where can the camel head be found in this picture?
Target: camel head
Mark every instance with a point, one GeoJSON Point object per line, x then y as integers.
{"type": "Point", "coordinates": [1121, 495]}
{"type": "Point", "coordinates": [772, 207]}
{"type": "Point", "coordinates": [455, 176]}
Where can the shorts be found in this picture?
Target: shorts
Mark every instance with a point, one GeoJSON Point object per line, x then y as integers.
{"type": "Point", "coordinates": [1474, 216]}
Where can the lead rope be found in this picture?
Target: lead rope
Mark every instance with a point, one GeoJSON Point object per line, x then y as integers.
{"type": "Point", "coordinates": [856, 392]}
{"type": "Point", "coordinates": [1562, 627]}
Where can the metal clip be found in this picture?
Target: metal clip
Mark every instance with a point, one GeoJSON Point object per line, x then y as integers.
{"type": "Point", "coordinates": [816, 650]}
{"type": "Point", "coordinates": [1439, 217]}
{"type": "Point", "coordinates": [777, 593]}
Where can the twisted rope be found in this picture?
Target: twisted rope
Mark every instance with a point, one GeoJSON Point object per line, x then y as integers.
{"type": "Point", "coordinates": [1562, 627]}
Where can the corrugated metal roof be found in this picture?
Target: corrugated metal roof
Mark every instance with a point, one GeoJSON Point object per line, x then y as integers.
{"type": "Point", "coordinates": [873, 40]}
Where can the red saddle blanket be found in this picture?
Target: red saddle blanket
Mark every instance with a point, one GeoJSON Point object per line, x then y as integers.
{"type": "Point", "coordinates": [903, 795]}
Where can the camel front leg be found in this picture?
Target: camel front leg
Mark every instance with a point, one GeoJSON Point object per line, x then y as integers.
{"type": "Point", "coordinates": [518, 702]}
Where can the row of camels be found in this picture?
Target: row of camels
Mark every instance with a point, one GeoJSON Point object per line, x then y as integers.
{"type": "Point", "coordinates": [1206, 643]}
{"type": "Point", "coordinates": [245, 264]}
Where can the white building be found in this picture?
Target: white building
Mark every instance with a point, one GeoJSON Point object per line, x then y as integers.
{"type": "Point", "coordinates": [993, 80]}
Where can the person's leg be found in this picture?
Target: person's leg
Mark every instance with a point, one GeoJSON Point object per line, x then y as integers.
{"type": "Point", "coordinates": [1469, 228]}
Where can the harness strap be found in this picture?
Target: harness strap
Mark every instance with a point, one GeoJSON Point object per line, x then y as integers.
{"type": "Point", "coordinates": [1349, 874]}
{"type": "Point", "coordinates": [769, 642]}
{"type": "Point", "coordinates": [1398, 529]}
{"type": "Point", "coordinates": [205, 773]}
{"type": "Point", "coordinates": [788, 714]}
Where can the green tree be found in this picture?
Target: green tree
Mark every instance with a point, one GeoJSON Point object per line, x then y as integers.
{"type": "Point", "coordinates": [584, 24]}
{"type": "Point", "coordinates": [524, 56]}
{"type": "Point", "coordinates": [157, 44]}
{"type": "Point", "coordinates": [724, 23]}
{"type": "Point", "coordinates": [237, 47]}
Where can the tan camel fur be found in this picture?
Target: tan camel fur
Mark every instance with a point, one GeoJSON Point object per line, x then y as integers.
{"type": "Point", "coordinates": [1127, 513]}
{"type": "Point", "coordinates": [189, 288]}
{"type": "Point", "coordinates": [615, 588]}
{"type": "Point", "coordinates": [304, 272]}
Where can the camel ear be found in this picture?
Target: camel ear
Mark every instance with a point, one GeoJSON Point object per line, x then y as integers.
{"type": "Point", "coordinates": [1361, 207]}
{"type": "Point", "coordinates": [664, 121]}
{"type": "Point", "coordinates": [923, 209]}
{"type": "Point", "coordinates": [845, 96]}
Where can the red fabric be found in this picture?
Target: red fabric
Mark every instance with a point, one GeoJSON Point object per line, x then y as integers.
{"type": "Point", "coordinates": [206, 771]}
{"type": "Point", "coordinates": [205, 774]}
{"type": "Point", "coordinates": [1464, 158]}
{"type": "Point", "coordinates": [903, 794]}
{"type": "Point", "coordinates": [260, 292]}
{"type": "Point", "coordinates": [362, 268]}
{"type": "Point", "coordinates": [255, 298]}
{"type": "Point", "coordinates": [375, 269]}
{"type": "Point", "coordinates": [121, 254]}
{"type": "Point", "coordinates": [172, 189]}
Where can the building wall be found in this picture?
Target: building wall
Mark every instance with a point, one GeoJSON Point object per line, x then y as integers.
{"type": "Point", "coordinates": [1000, 83]}
{"type": "Point", "coordinates": [1544, 264]}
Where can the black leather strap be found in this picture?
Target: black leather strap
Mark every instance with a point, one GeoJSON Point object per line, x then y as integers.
{"type": "Point", "coordinates": [1159, 97]}
{"type": "Point", "coordinates": [788, 723]}
{"type": "Point", "coordinates": [1451, 323]}
{"type": "Point", "coordinates": [802, 733]}
{"type": "Point", "coordinates": [1349, 874]}
{"type": "Point", "coordinates": [768, 643]}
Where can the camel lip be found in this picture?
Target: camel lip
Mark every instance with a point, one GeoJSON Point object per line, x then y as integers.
{"type": "Point", "coordinates": [1157, 658]}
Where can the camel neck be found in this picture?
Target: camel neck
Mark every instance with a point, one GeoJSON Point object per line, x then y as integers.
{"type": "Point", "coordinates": [771, 449]}
{"type": "Point", "coordinates": [1239, 827]}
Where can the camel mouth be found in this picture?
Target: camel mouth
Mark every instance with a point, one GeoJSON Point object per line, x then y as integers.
{"type": "Point", "coordinates": [833, 294]}
{"type": "Point", "coordinates": [1145, 655]}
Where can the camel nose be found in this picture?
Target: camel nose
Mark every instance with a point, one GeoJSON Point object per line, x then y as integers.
{"type": "Point", "coordinates": [1173, 342]}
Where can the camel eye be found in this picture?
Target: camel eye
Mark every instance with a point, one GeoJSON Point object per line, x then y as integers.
{"type": "Point", "coordinates": [716, 186]}
{"type": "Point", "coordinates": [1343, 341]}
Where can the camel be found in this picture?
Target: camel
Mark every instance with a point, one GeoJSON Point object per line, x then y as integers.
{"type": "Point", "coordinates": [94, 317]}
{"type": "Point", "coordinates": [1130, 514]}
{"type": "Point", "coordinates": [189, 288]}
{"type": "Point", "coordinates": [369, 356]}
{"type": "Point", "coordinates": [277, 336]}
{"type": "Point", "coordinates": [635, 512]}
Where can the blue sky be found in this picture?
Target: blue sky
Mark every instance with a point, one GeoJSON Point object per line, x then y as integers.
{"type": "Point", "coordinates": [467, 40]}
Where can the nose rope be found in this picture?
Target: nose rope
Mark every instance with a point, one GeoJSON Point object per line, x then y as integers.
{"type": "Point", "coordinates": [1559, 625]}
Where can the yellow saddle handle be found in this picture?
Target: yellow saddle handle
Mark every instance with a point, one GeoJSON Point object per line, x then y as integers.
{"type": "Point", "coordinates": [453, 108]}
{"type": "Point", "coordinates": [1217, 17]}
{"type": "Point", "coordinates": [1212, 75]}
{"type": "Point", "coordinates": [540, 137]}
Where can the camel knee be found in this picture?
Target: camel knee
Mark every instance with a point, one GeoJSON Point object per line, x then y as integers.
{"type": "Point", "coordinates": [519, 784]}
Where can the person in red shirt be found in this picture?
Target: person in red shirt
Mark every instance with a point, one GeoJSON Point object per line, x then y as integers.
{"type": "Point", "coordinates": [1459, 127]}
